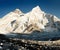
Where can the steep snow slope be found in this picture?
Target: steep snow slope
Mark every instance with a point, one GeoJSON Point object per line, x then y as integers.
{"type": "Point", "coordinates": [36, 19]}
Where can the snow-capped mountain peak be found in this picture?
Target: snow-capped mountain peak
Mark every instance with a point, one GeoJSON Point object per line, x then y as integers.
{"type": "Point", "coordinates": [37, 9]}
{"type": "Point", "coordinates": [17, 11]}
{"type": "Point", "coordinates": [36, 19]}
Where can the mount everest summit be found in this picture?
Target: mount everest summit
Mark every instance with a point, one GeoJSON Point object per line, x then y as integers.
{"type": "Point", "coordinates": [36, 19]}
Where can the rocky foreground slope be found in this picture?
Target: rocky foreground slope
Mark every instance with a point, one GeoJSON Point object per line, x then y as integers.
{"type": "Point", "coordinates": [7, 43]}
{"type": "Point", "coordinates": [36, 19]}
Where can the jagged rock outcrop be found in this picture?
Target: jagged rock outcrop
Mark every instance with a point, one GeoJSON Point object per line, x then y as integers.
{"type": "Point", "coordinates": [36, 19]}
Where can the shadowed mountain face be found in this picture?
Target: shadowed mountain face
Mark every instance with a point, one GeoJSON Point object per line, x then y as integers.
{"type": "Point", "coordinates": [36, 35]}
{"type": "Point", "coordinates": [36, 19]}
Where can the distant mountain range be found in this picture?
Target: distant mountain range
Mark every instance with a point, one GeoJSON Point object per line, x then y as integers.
{"type": "Point", "coordinates": [35, 20]}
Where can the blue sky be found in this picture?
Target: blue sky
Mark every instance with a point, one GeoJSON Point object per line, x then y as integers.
{"type": "Point", "coordinates": [49, 6]}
